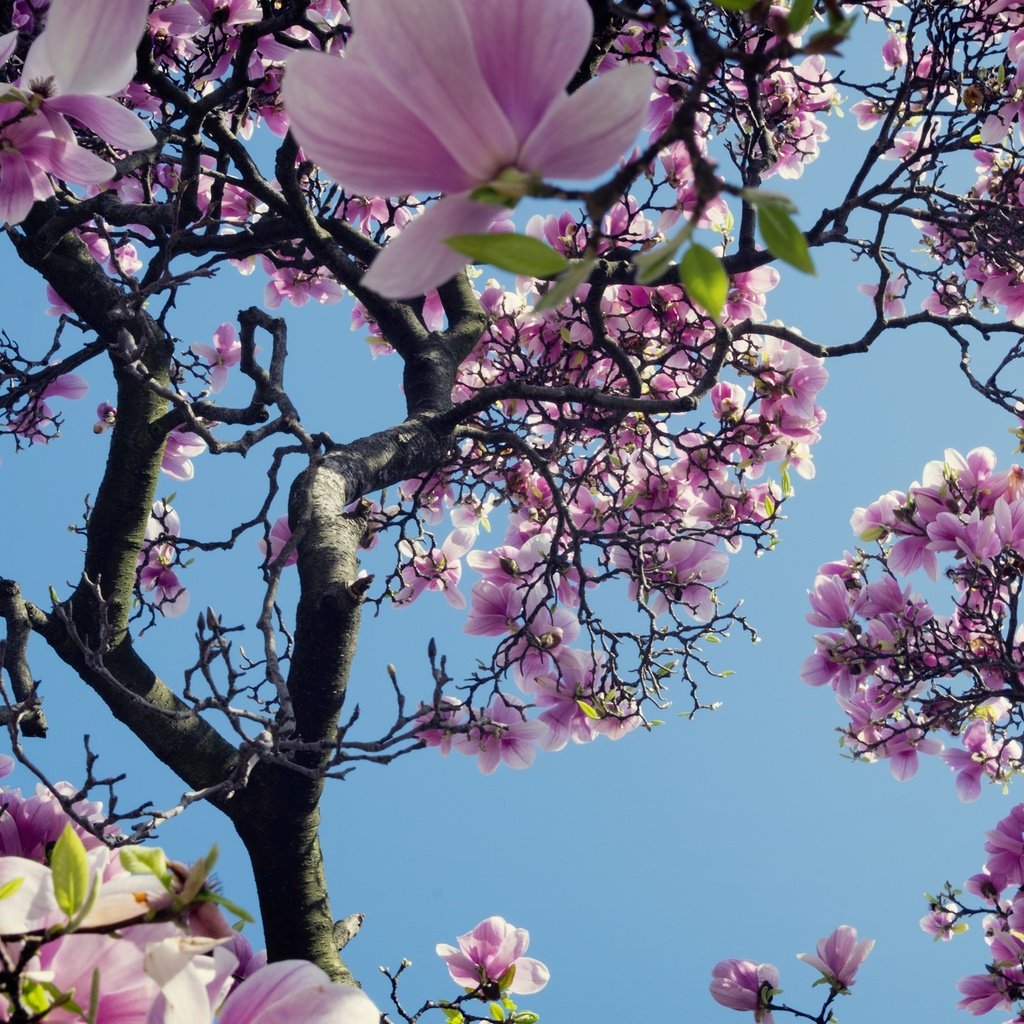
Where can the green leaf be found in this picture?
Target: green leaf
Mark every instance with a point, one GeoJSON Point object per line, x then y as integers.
{"type": "Point", "coordinates": [197, 876]}
{"type": "Point", "coordinates": [70, 869]}
{"type": "Point", "coordinates": [144, 860]}
{"type": "Point", "coordinates": [11, 887]}
{"type": "Point", "coordinates": [588, 710]}
{"type": "Point", "coordinates": [507, 978]}
{"type": "Point", "coordinates": [787, 483]}
{"type": "Point", "coordinates": [704, 279]}
{"type": "Point", "coordinates": [759, 197]}
{"type": "Point", "coordinates": [525, 1017]}
{"type": "Point", "coordinates": [736, 5]}
{"type": "Point", "coordinates": [783, 237]}
{"type": "Point", "coordinates": [497, 1013]}
{"type": "Point", "coordinates": [651, 265]}
{"type": "Point", "coordinates": [565, 285]}
{"type": "Point", "coordinates": [800, 12]}
{"type": "Point", "coordinates": [519, 254]}
{"type": "Point", "coordinates": [232, 908]}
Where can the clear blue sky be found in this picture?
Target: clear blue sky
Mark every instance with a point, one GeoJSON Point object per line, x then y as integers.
{"type": "Point", "coordinates": [637, 865]}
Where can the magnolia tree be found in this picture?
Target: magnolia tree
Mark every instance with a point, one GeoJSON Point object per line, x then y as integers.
{"type": "Point", "coordinates": [615, 400]}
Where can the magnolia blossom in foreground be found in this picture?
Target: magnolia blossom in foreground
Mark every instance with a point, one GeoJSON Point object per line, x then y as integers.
{"type": "Point", "coordinates": [464, 94]}
{"type": "Point", "coordinates": [839, 957]}
{"type": "Point", "coordinates": [492, 955]}
{"type": "Point", "coordinates": [84, 55]}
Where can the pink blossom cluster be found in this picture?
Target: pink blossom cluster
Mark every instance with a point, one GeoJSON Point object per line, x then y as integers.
{"type": "Point", "coordinates": [999, 888]}
{"type": "Point", "coordinates": [157, 559]}
{"type": "Point", "coordinates": [661, 513]}
{"type": "Point", "coordinates": [792, 98]}
{"type": "Point", "coordinates": [135, 948]}
{"type": "Point", "coordinates": [905, 675]}
{"type": "Point", "coordinates": [746, 985]}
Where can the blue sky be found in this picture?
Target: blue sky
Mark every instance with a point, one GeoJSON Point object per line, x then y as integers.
{"type": "Point", "coordinates": [636, 866]}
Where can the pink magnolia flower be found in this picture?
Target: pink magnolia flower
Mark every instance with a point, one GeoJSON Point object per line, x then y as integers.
{"type": "Point", "coordinates": [983, 992]}
{"type": "Point", "coordinates": [1005, 847]}
{"type": "Point", "coordinates": [280, 534]}
{"type": "Point", "coordinates": [463, 95]}
{"type": "Point", "coordinates": [182, 446]}
{"type": "Point", "coordinates": [272, 994]}
{"type": "Point", "coordinates": [892, 297]}
{"type": "Point", "coordinates": [225, 352]}
{"type": "Point", "coordinates": [84, 55]}
{"type": "Point", "coordinates": [488, 954]}
{"type": "Point", "coordinates": [940, 922]}
{"type": "Point", "coordinates": [501, 732]}
{"type": "Point", "coordinates": [839, 957]}
{"type": "Point", "coordinates": [745, 985]}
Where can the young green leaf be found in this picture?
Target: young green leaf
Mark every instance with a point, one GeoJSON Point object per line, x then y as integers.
{"type": "Point", "coordinates": [759, 197]}
{"type": "Point", "coordinates": [232, 908]}
{"type": "Point", "coordinates": [651, 265]}
{"type": "Point", "coordinates": [704, 279]}
{"type": "Point", "coordinates": [587, 709]}
{"type": "Point", "coordinates": [144, 860]}
{"type": "Point", "coordinates": [70, 869]}
{"type": "Point", "coordinates": [736, 5]}
{"type": "Point", "coordinates": [800, 12]}
{"type": "Point", "coordinates": [783, 237]}
{"type": "Point", "coordinates": [565, 285]}
{"type": "Point", "coordinates": [519, 254]}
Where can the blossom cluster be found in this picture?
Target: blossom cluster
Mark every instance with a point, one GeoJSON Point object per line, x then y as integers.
{"type": "Point", "coordinates": [120, 933]}
{"type": "Point", "coordinates": [659, 510]}
{"type": "Point", "coordinates": [999, 890]}
{"type": "Point", "coordinates": [749, 986]}
{"type": "Point", "coordinates": [104, 934]}
{"type": "Point", "coordinates": [904, 674]}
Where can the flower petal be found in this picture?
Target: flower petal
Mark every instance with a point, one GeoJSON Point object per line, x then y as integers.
{"type": "Point", "coordinates": [117, 125]}
{"type": "Point", "coordinates": [16, 192]}
{"type": "Point", "coordinates": [425, 57]}
{"type": "Point", "coordinates": [88, 46]}
{"type": "Point", "coordinates": [528, 52]}
{"type": "Point", "coordinates": [69, 161]}
{"type": "Point", "coordinates": [582, 135]}
{"type": "Point", "coordinates": [418, 259]}
{"type": "Point", "coordinates": [531, 976]}
{"type": "Point", "coordinates": [370, 144]}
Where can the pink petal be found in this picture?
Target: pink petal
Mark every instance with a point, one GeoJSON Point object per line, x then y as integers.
{"type": "Point", "coordinates": [584, 134]}
{"type": "Point", "coordinates": [69, 161]}
{"type": "Point", "coordinates": [117, 125]}
{"type": "Point", "coordinates": [531, 976]}
{"type": "Point", "coordinates": [418, 259]}
{"type": "Point", "coordinates": [16, 192]}
{"type": "Point", "coordinates": [425, 57]}
{"type": "Point", "coordinates": [8, 42]}
{"type": "Point", "coordinates": [88, 45]}
{"type": "Point", "coordinates": [366, 141]}
{"type": "Point", "coordinates": [528, 52]}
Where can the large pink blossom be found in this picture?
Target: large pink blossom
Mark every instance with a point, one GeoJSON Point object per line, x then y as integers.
{"type": "Point", "coordinates": [84, 55]}
{"type": "Point", "coordinates": [451, 97]}
{"type": "Point", "coordinates": [488, 953]}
